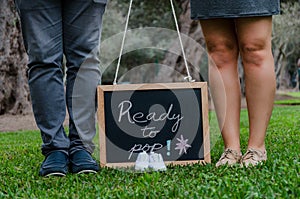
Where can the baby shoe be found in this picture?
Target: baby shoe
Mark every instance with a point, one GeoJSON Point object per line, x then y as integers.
{"type": "Point", "coordinates": [142, 161]}
{"type": "Point", "coordinates": [156, 162]}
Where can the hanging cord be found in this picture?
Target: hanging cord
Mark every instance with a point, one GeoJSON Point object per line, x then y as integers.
{"type": "Point", "coordinates": [188, 78]}
{"type": "Point", "coordinates": [123, 42]}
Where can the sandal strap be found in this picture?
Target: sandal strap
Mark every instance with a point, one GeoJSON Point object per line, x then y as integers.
{"type": "Point", "coordinates": [229, 156]}
{"type": "Point", "coordinates": [255, 155]}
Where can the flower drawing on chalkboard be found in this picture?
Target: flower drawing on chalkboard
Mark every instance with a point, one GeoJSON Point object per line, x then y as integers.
{"type": "Point", "coordinates": [182, 145]}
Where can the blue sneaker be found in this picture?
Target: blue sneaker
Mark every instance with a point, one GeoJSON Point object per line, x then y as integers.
{"type": "Point", "coordinates": [55, 164]}
{"type": "Point", "coordinates": [81, 161]}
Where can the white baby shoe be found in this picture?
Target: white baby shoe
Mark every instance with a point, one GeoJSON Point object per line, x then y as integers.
{"type": "Point", "coordinates": [156, 162]}
{"type": "Point", "coordinates": [142, 162]}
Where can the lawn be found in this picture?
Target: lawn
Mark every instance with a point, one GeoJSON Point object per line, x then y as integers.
{"type": "Point", "coordinates": [295, 101]}
{"type": "Point", "coordinates": [293, 94]}
{"type": "Point", "coordinates": [279, 177]}
{"type": "Point", "coordinates": [288, 102]}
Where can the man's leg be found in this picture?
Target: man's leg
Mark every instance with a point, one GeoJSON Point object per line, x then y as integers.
{"type": "Point", "coordinates": [42, 33]}
{"type": "Point", "coordinates": [82, 21]}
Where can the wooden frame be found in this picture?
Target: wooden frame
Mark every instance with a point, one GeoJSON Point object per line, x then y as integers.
{"type": "Point", "coordinates": [157, 86]}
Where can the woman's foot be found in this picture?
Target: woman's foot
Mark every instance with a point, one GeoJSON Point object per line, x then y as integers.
{"type": "Point", "coordinates": [254, 157]}
{"type": "Point", "coordinates": [229, 157]}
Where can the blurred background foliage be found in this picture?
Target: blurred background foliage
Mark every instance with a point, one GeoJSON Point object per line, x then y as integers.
{"type": "Point", "coordinates": [144, 13]}
{"type": "Point", "coordinates": [153, 47]}
{"type": "Point", "coordinates": [286, 33]}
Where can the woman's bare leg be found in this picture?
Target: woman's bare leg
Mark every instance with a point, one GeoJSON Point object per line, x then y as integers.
{"type": "Point", "coordinates": [222, 46]}
{"type": "Point", "coordinates": [254, 37]}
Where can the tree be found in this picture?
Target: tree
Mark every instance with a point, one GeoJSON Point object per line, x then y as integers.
{"type": "Point", "coordinates": [152, 14]}
{"type": "Point", "coordinates": [14, 91]}
{"type": "Point", "coordinates": [194, 52]}
{"type": "Point", "coordinates": [286, 42]}
{"type": "Point", "coordinates": [285, 37]}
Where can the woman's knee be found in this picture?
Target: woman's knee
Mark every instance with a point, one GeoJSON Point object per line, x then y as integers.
{"type": "Point", "coordinates": [254, 52]}
{"type": "Point", "coordinates": [254, 36]}
{"type": "Point", "coordinates": [223, 52]}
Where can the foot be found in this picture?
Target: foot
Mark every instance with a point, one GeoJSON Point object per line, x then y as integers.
{"type": "Point", "coordinates": [229, 157]}
{"type": "Point", "coordinates": [81, 161]}
{"type": "Point", "coordinates": [142, 162]}
{"type": "Point", "coordinates": [254, 157]}
{"type": "Point", "coordinates": [156, 162]}
{"type": "Point", "coordinates": [55, 164]}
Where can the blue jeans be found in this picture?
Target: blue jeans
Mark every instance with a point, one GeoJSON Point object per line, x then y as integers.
{"type": "Point", "coordinates": [50, 30]}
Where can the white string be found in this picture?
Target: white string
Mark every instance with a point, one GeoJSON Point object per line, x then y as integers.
{"type": "Point", "coordinates": [123, 42]}
{"type": "Point", "coordinates": [189, 77]}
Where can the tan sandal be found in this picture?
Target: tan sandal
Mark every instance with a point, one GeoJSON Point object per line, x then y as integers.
{"type": "Point", "coordinates": [229, 157]}
{"type": "Point", "coordinates": [254, 157]}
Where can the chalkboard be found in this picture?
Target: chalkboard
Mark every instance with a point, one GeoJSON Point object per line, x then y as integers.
{"type": "Point", "coordinates": [170, 119]}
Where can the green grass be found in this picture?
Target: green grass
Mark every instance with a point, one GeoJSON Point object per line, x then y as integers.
{"type": "Point", "coordinates": [279, 177]}
{"type": "Point", "coordinates": [295, 101]}
{"type": "Point", "coordinates": [293, 94]}
{"type": "Point", "coordinates": [288, 102]}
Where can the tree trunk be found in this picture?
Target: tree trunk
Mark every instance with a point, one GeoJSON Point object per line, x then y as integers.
{"type": "Point", "coordinates": [14, 92]}
{"type": "Point", "coordinates": [195, 53]}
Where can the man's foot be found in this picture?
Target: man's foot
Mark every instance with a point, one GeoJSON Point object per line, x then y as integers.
{"type": "Point", "coordinates": [55, 164]}
{"type": "Point", "coordinates": [254, 157]}
{"type": "Point", "coordinates": [229, 157]}
{"type": "Point", "coordinates": [81, 161]}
